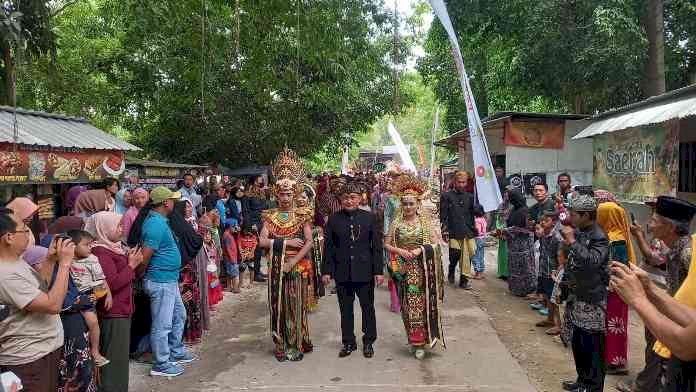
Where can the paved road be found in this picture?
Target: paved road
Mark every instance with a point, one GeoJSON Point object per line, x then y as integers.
{"type": "Point", "coordinates": [237, 355]}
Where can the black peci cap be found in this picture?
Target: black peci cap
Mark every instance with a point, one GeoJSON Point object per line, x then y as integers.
{"type": "Point", "coordinates": [676, 209]}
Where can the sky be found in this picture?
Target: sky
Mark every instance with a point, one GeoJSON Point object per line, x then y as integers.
{"type": "Point", "coordinates": [405, 10]}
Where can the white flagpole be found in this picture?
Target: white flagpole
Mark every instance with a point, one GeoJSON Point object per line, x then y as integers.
{"type": "Point", "coordinates": [486, 184]}
{"type": "Point", "coordinates": [436, 126]}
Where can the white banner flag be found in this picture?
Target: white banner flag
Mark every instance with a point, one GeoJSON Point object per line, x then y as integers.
{"type": "Point", "coordinates": [345, 161]}
{"type": "Point", "coordinates": [406, 161]}
{"type": "Point", "coordinates": [486, 184]}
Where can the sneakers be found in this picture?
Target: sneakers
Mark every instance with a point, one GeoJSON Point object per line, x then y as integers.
{"type": "Point", "coordinates": [544, 311]}
{"type": "Point", "coordinates": [186, 358]}
{"type": "Point", "coordinates": [168, 370]}
{"type": "Point", "coordinates": [536, 306]}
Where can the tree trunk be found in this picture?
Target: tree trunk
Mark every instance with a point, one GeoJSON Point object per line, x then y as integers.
{"type": "Point", "coordinates": [653, 21]}
{"type": "Point", "coordinates": [10, 85]}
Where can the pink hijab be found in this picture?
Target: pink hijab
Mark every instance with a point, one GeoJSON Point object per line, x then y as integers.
{"type": "Point", "coordinates": [23, 208]}
{"type": "Point", "coordinates": [105, 228]}
{"type": "Point", "coordinates": [132, 213]}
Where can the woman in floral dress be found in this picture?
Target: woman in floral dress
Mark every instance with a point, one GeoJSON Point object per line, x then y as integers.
{"type": "Point", "coordinates": [416, 266]}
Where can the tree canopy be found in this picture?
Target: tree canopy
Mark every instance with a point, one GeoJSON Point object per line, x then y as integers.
{"type": "Point", "coordinates": [551, 55]}
{"type": "Point", "coordinates": [219, 81]}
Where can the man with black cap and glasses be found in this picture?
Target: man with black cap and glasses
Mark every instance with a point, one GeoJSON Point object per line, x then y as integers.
{"type": "Point", "coordinates": [353, 258]}
{"type": "Point", "coordinates": [587, 248]}
{"type": "Point", "coordinates": [669, 223]}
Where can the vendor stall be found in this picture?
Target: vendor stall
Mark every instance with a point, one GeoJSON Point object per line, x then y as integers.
{"type": "Point", "coordinates": [46, 153]}
{"type": "Point", "coordinates": [156, 173]}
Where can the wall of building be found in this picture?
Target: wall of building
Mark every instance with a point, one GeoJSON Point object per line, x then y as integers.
{"type": "Point", "coordinates": [575, 158]}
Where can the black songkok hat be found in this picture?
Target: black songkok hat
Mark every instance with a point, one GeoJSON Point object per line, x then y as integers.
{"type": "Point", "coordinates": [351, 186]}
{"type": "Point", "coordinates": [676, 209]}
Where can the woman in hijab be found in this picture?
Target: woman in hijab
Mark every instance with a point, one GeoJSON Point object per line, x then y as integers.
{"type": "Point", "coordinates": [90, 202]}
{"type": "Point", "coordinates": [118, 266]}
{"type": "Point", "coordinates": [612, 218]}
{"type": "Point", "coordinates": [123, 201]}
{"type": "Point", "coordinates": [61, 225]}
{"type": "Point", "coordinates": [72, 196]}
{"type": "Point", "coordinates": [139, 200]}
{"type": "Point", "coordinates": [520, 242]}
{"type": "Point", "coordinates": [35, 256]}
{"type": "Point", "coordinates": [190, 244]}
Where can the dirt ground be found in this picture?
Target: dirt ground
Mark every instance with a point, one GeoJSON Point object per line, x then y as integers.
{"type": "Point", "coordinates": [544, 358]}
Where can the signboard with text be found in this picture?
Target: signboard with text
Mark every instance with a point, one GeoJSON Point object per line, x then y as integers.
{"type": "Point", "coordinates": [45, 165]}
{"type": "Point", "coordinates": [638, 163]}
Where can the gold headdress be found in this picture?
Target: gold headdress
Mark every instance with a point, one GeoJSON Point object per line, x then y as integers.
{"type": "Point", "coordinates": [288, 171]}
{"type": "Point", "coordinates": [409, 185]}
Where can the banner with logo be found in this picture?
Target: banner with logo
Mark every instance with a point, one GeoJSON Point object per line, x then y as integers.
{"type": "Point", "coordinates": [535, 134]}
{"type": "Point", "coordinates": [486, 184]}
{"type": "Point", "coordinates": [638, 163]}
{"type": "Point", "coordinates": [54, 166]}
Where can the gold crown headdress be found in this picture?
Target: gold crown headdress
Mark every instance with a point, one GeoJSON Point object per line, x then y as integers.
{"type": "Point", "coordinates": [409, 185]}
{"type": "Point", "coordinates": [288, 171]}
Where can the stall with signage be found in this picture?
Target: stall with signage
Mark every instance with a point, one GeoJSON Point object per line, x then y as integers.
{"type": "Point", "coordinates": [43, 154]}
{"type": "Point", "coordinates": [156, 173]}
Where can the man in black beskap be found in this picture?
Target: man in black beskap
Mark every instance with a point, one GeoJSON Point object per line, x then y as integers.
{"type": "Point", "coordinates": [458, 230]}
{"type": "Point", "coordinates": [353, 258]}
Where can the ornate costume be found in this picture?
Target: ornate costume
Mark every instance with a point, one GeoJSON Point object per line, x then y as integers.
{"type": "Point", "coordinates": [287, 292]}
{"type": "Point", "coordinates": [420, 278]}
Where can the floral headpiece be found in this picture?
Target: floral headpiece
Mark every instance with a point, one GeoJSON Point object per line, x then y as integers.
{"type": "Point", "coordinates": [287, 171]}
{"type": "Point", "coordinates": [409, 185]}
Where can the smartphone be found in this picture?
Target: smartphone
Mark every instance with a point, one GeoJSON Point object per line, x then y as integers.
{"type": "Point", "coordinates": [62, 236]}
{"type": "Point", "coordinates": [633, 218]}
{"type": "Point", "coordinates": [618, 251]}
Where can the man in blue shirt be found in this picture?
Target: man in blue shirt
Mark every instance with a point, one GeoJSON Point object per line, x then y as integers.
{"type": "Point", "coordinates": [163, 260]}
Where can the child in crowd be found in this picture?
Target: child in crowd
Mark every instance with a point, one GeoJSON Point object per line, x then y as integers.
{"type": "Point", "coordinates": [479, 257]}
{"type": "Point", "coordinates": [231, 258]}
{"type": "Point", "coordinates": [214, 288]}
{"type": "Point", "coordinates": [549, 247]}
{"type": "Point", "coordinates": [248, 241]}
{"type": "Point", "coordinates": [87, 274]}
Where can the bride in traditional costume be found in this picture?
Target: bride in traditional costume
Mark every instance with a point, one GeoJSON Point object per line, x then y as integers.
{"type": "Point", "coordinates": [416, 265]}
{"type": "Point", "coordinates": [283, 233]}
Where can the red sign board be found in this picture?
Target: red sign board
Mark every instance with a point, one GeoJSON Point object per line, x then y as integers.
{"type": "Point", "coordinates": [28, 165]}
{"type": "Point", "coordinates": [536, 134]}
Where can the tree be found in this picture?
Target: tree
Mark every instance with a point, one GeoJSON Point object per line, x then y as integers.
{"type": "Point", "coordinates": [550, 55]}
{"type": "Point", "coordinates": [653, 20]}
{"type": "Point", "coordinates": [174, 78]}
{"type": "Point", "coordinates": [24, 28]}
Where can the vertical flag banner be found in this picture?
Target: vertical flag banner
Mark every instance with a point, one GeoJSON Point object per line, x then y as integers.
{"type": "Point", "coordinates": [406, 161]}
{"type": "Point", "coordinates": [486, 185]}
{"type": "Point", "coordinates": [344, 161]}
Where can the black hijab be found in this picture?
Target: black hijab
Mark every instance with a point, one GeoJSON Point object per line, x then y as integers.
{"type": "Point", "coordinates": [190, 242]}
{"type": "Point", "coordinates": [519, 214]}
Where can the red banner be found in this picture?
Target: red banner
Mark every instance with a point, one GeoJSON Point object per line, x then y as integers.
{"type": "Point", "coordinates": [536, 134]}
{"type": "Point", "coordinates": [27, 165]}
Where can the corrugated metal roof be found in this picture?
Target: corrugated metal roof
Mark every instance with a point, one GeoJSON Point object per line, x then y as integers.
{"type": "Point", "coordinates": [675, 104]}
{"type": "Point", "coordinates": [48, 129]}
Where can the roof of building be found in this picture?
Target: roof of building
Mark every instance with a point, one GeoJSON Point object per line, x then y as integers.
{"type": "Point", "coordinates": [55, 130]}
{"type": "Point", "coordinates": [675, 104]}
{"type": "Point", "coordinates": [148, 163]}
{"type": "Point", "coordinates": [503, 116]}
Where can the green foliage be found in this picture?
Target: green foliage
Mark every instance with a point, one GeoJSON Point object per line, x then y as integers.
{"type": "Point", "coordinates": [169, 74]}
{"type": "Point", "coordinates": [549, 55]}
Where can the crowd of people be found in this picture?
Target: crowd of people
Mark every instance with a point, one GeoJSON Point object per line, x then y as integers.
{"type": "Point", "coordinates": [573, 253]}
{"type": "Point", "coordinates": [129, 273]}
{"type": "Point", "coordinates": [125, 274]}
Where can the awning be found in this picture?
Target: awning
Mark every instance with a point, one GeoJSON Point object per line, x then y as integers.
{"type": "Point", "coordinates": [676, 104]}
{"type": "Point", "coordinates": [54, 130]}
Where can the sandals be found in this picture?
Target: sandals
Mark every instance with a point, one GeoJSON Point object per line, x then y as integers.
{"type": "Point", "coordinates": [554, 331]}
{"type": "Point", "coordinates": [101, 362]}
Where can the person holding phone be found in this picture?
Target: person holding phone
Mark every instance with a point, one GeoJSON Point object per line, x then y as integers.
{"type": "Point", "coordinates": [614, 221]}
{"type": "Point", "coordinates": [588, 256]}
{"type": "Point", "coordinates": [119, 265]}
{"type": "Point", "coordinates": [32, 334]}
{"type": "Point", "coordinates": [669, 223]}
